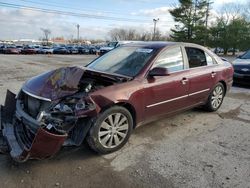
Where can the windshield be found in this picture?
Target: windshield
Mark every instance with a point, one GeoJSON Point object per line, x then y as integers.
{"type": "Point", "coordinates": [246, 55]}
{"type": "Point", "coordinates": [112, 44]}
{"type": "Point", "coordinates": [126, 61]}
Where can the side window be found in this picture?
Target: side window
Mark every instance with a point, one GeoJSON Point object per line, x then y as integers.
{"type": "Point", "coordinates": [196, 57]}
{"type": "Point", "coordinates": [209, 59]}
{"type": "Point", "coordinates": [171, 59]}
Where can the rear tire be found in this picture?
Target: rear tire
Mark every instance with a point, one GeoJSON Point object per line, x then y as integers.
{"type": "Point", "coordinates": [111, 130]}
{"type": "Point", "coordinates": [215, 98]}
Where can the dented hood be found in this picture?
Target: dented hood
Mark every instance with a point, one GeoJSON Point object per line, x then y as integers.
{"type": "Point", "coordinates": [55, 84]}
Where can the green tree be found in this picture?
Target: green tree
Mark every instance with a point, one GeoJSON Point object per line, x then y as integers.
{"type": "Point", "coordinates": [239, 34]}
{"type": "Point", "coordinates": [234, 34]}
{"type": "Point", "coordinates": [191, 17]}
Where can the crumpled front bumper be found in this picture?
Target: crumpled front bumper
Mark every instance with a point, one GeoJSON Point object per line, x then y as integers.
{"type": "Point", "coordinates": [22, 136]}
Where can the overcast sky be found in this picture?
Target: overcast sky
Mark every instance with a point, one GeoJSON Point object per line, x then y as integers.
{"type": "Point", "coordinates": [18, 23]}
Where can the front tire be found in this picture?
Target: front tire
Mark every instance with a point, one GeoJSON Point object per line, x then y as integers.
{"type": "Point", "coordinates": [111, 130]}
{"type": "Point", "coordinates": [215, 98]}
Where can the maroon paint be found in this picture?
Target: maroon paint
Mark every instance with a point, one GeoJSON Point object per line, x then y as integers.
{"type": "Point", "coordinates": [149, 96]}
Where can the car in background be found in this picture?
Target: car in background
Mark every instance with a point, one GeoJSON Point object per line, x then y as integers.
{"type": "Point", "coordinates": [112, 45]}
{"type": "Point", "coordinates": [242, 69]}
{"type": "Point", "coordinates": [92, 49]}
{"type": "Point", "coordinates": [72, 50]}
{"type": "Point", "coordinates": [19, 47]}
{"type": "Point", "coordinates": [45, 50]}
{"type": "Point", "coordinates": [232, 50]}
{"type": "Point", "coordinates": [36, 48]}
{"type": "Point", "coordinates": [28, 50]}
{"type": "Point", "coordinates": [61, 50]}
{"type": "Point", "coordinates": [111, 96]}
{"type": "Point", "coordinates": [2, 49]}
{"type": "Point", "coordinates": [11, 50]}
{"type": "Point", "coordinates": [218, 50]}
{"type": "Point", "coordinates": [83, 49]}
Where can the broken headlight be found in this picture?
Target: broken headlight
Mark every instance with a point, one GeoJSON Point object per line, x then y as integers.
{"type": "Point", "coordinates": [73, 105]}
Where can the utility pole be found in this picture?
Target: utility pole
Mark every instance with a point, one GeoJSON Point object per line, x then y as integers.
{"type": "Point", "coordinates": [207, 12]}
{"type": "Point", "coordinates": [78, 27]}
{"type": "Point", "coordinates": [206, 21]}
{"type": "Point", "coordinates": [155, 22]}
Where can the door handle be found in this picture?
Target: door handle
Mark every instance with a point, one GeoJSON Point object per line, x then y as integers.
{"type": "Point", "coordinates": [184, 81]}
{"type": "Point", "coordinates": [213, 74]}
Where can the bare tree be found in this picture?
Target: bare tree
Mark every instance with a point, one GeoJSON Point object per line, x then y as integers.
{"type": "Point", "coordinates": [121, 34]}
{"type": "Point", "coordinates": [46, 33]}
{"type": "Point", "coordinates": [231, 11]}
{"type": "Point", "coordinates": [117, 34]}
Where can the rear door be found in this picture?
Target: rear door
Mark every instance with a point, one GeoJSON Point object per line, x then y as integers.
{"type": "Point", "coordinates": [202, 74]}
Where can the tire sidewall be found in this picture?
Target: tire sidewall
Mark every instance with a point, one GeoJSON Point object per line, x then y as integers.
{"type": "Point", "coordinates": [93, 138]}
{"type": "Point", "coordinates": [209, 104]}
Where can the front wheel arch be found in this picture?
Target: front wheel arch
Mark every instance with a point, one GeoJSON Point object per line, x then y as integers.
{"type": "Point", "coordinates": [225, 86]}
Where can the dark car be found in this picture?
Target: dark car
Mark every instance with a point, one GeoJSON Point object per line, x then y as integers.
{"type": "Point", "coordinates": [28, 50]}
{"type": "Point", "coordinates": [2, 49]}
{"type": "Point", "coordinates": [61, 50]}
{"type": "Point", "coordinates": [242, 69]}
{"type": "Point", "coordinates": [83, 50]}
{"type": "Point", "coordinates": [106, 100]}
{"type": "Point", "coordinates": [72, 50]}
{"type": "Point", "coordinates": [92, 50]}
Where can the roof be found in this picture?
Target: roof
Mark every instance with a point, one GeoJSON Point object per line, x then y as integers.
{"type": "Point", "coordinates": [152, 44]}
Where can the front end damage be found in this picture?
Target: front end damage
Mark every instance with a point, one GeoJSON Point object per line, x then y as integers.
{"type": "Point", "coordinates": [51, 110]}
{"type": "Point", "coordinates": [25, 137]}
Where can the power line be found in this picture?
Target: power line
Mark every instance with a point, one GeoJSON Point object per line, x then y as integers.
{"type": "Point", "coordinates": [68, 13]}
{"type": "Point", "coordinates": [71, 8]}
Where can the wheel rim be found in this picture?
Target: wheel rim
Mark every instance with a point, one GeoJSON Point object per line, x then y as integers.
{"type": "Point", "coordinates": [217, 97]}
{"type": "Point", "coordinates": [113, 130]}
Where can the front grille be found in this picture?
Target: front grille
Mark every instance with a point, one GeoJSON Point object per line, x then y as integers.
{"type": "Point", "coordinates": [24, 136]}
{"type": "Point", "coordinates": [32, 105]}
{"type": "Point", "coordinates": [240, 71]}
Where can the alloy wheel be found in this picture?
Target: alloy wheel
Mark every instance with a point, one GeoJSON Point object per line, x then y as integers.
{"type": "Point", "coordinates": [113, 130]}
{"type": "Point", "coordinates": [217, 97]}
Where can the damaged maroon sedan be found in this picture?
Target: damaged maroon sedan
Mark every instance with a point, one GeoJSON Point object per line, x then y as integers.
{"type": "Point", "coordinates": [105, 100]}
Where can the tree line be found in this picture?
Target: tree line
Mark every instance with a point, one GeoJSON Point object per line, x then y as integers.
{"type": "Point", "coordinates": [230, 29]}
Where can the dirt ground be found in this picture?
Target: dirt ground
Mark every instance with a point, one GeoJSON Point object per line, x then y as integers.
{"type": "Point", "coordinates": [192, 149]}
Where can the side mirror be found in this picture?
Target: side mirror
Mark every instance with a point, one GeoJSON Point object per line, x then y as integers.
{"type": "Point", "coordinates": [158, 71]}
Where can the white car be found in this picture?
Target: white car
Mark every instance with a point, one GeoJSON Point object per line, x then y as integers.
{"type": "Point", "coordinates": [45, 50]}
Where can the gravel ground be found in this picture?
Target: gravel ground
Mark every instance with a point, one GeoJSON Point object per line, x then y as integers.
{"type": "Point", "coordinates": [192, 149]}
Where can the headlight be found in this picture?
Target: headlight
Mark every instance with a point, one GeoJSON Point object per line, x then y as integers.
{"type": "Point", "coordinates": [61, 107]}
{"type": "Point", "coordinates": [71, 105]}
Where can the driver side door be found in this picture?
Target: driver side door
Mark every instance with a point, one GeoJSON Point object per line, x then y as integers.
{"type": "Point", "coordinates": [167, 94]}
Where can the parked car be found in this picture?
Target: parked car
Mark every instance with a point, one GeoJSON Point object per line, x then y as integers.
{"type": "Point", "coordinates": [218, 50]}
{"type": "Point", "coordinates": [231, 50]}
{"type": "Point", "coordinates": [92, 50]}
{"type": "Point", "coordinates": [36, 48]}
{"type": "Point", "coordinates": [45, 50]}
{"type": "Point", "coordinates": [11, 50]}
{"type": "Point", "coordinates": [104, 101]}
{"type": "Point", "coordinates": [2, 49]}
{"type": "Point", "coordinates": [112, 45]}
{"type": "Point", "coordinates": [242, 68]}
{"type": "Point", "coordinates": [72, 50]}
{"type": "Point", "coordinates": [19, 48]}
{"type": "Point", "coordinates": [28, 50]}
{"type": "Point", "coordinates": [61, 50]}
{"type": "Point", "coordinates": [83, 49]}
